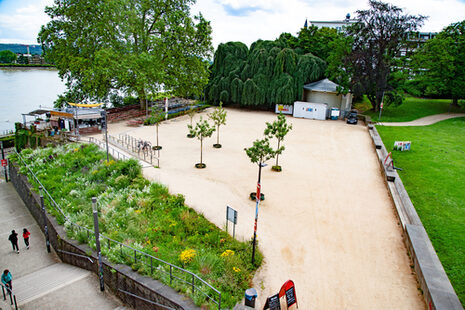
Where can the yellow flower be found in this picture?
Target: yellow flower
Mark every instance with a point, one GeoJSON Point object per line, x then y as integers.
{"type": "Point", "coordinates": [187, 256]}
{"type": "Point", "coordinates": [138, 211]}
{"type": "Point", "coordinates": [236, 269]}
{"type": "Point", "coordinates": [227, 253]}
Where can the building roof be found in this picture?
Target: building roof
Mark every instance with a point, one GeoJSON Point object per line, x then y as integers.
{"type": "Point", "coordinates": [322, 86]}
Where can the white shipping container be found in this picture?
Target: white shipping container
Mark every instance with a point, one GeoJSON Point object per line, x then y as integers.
{"type": "Point", "coordinates": [310, 110]}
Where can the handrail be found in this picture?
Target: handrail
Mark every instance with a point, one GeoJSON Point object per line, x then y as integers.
{"type": "Point", "coordinates": [129, 144]}
{"type": "Point", "coordinates": [146, 300]}
{"type": "Point", "coordinates": [10, 293]}
{"type": "Point", "coordinates": [90, 232]}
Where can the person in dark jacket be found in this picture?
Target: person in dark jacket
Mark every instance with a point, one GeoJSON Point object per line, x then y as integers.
{"type": "Point", "coordinates": [14, 241]}
{"type": "Point", "coordinates": [26, 235]}
{"type": "Point", "coordinates": [6, 280]}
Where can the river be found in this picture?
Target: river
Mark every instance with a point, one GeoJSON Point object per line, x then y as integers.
{"type": "Point", "coordinates": [25, 89]}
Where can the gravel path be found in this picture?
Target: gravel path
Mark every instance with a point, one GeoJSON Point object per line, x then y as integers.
{"type": "Point", "coordinates": [427, 120]}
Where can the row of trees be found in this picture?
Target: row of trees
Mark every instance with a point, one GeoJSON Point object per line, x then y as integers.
{"type": "Point", "coordinates": [364, 59]}
{"type": "Point", "coordinates": [270, 72]}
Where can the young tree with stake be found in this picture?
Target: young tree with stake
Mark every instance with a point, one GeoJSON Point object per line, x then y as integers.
{"type": "Point", "coordinates": [191, 115]}
{"type": "Point", "coordinates": [219, 118]}
{"type": "Point", "coordinates": [158, 116]}
{"type": "Point", "coordinates": [279, 130]}
{"type": "Point", "coordinates": [201, 130]}
{"type": "Point", "coordinates": [259, 153]}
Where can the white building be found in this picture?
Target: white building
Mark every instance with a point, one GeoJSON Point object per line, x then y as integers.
{"type": "Point", "coordinates": [339, 25]}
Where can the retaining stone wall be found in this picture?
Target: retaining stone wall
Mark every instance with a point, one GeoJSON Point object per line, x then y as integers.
{"type": "Point", "coordinates": [115, 276]}
{"type": "Point", "coordinates": [437, 289]}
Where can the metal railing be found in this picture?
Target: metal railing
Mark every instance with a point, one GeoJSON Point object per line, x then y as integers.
{"type": "Point", "coordinates": [146, 300]}
{"type": "Point", "coordinates": [136, 148]}
{"type": "Point", "coordinates": [113, 152]}
{"type": "Point", "coordinates": [9, 293]}
{"type": "Point", "coordinates": [135, 256]}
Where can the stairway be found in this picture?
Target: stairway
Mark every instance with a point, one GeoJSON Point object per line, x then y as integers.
{"type": "Point", "coordinates": [46, 280]}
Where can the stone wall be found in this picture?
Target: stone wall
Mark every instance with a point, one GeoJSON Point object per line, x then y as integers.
{"type": "Point", "coordinates": [437, 289]}
{"type": "Point", "coordinates": [117, 278]}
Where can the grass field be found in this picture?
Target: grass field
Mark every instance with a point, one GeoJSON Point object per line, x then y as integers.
{"type": "Point", "coordinates": [412, 108]}
{"type": "Point", "coordinates": [433, 174]}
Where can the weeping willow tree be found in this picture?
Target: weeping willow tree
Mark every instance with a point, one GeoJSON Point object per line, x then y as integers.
{"type": "Point", "coordinates": [269, 73]}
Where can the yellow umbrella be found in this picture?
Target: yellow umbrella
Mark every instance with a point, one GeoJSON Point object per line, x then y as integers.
{"type": "Point", "coordinates": [84, 105]}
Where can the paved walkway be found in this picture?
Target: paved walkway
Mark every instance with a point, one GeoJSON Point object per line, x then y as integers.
{"type": "Point", "coordinates": [40, 280]}
{"type": "Point", "coordinates": [427, 120]}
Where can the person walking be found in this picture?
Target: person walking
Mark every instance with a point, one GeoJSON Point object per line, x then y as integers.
{"type": "Point", "coordinates": [6, 280]}
{"type": "Point", "coordinates": [14, 241]}
{"type": "Point", "coordinates": [26, 235]}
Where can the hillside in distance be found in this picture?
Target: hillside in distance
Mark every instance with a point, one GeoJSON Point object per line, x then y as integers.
{"type": "Point", "coordinates": [34, 49]}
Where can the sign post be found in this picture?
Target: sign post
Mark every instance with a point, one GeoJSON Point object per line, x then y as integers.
{"type": "Point", "coordinates": [166, 108]}
{"type": "Point", "coordinates": [257, 199]}
{"type": "Point", "coordinates": [4, 162]}
{"type": "Point", "coordinates": [97, 243]}
{"type": "Point", "coordinates": [231, 215]}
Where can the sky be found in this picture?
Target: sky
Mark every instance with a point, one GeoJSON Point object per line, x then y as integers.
{"type": "Point", "coordinates": [242, 20]}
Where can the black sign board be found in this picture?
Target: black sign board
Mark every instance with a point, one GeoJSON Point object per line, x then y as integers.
{"type": "Point", "coordinates": [273, 303]}
{"type": "Point", "coordinates": [290, 296]}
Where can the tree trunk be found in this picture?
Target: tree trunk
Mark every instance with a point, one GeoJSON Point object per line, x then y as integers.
{"type": "Point", "coordinates": [455, 102]}
{"type": "Point", "coordinates": [157, 133]}
{"type": "Point", "coordinates": [142, 100]}
{"type": "Point", "coordinates": [218, 135]}
{"type": "Point", "coordinates": [201, 151]}
{"type": "Point", "coordinates": [277, 155]}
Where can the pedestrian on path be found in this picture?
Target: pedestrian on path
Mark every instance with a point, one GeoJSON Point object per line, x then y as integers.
{"type": "Point", "coordinates": [26, 235]}
{"type": "Point", "coordinates": [14, 241]}
{"type": "Point", "coordinates": [6, 280]}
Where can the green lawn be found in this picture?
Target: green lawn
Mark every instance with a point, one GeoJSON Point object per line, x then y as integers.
{"type": "Point", "coordinates": [412, 108]}
{"type": "Point", "coordinates": [433, 174]}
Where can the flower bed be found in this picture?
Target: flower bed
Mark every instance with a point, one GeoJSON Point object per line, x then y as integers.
{"type": "Point", "coordinates": [143, 215]}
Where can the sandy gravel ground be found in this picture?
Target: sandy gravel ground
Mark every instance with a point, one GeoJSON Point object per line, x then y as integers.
{"type": "Point", "coordinates": [427, 120]}
{"type": "Point", "coordinates": [327, 221]}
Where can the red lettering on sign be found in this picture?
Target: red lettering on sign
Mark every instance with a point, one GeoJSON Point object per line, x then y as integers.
{"type": "Point", "coordinates": [4, 162]}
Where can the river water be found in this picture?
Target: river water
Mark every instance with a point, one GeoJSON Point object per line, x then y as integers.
{"type": "Point", "coordinates": [25, 89]}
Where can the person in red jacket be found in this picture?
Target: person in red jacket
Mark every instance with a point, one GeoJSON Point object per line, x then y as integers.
{"type": "Point", "coordinates": [26, 235]}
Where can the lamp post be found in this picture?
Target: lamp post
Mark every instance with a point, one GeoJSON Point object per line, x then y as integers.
{"type": "Point", "coordinates": [97, 243]}
{"type": "Point", "coordinates": [105, 126]}
{"type": "Point", "coordinates": [257, 199]}
{"type": "Point", "coordinates": [44, 216]}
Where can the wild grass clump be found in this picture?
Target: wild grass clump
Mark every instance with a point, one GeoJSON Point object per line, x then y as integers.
{"type": "Point", "coordinates": [143, 215]}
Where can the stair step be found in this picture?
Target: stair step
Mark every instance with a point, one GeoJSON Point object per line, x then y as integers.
{"type": "Point", "coordinates": [46, 280]}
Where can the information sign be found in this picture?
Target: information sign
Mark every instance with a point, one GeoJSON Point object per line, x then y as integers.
{"type": "Point", "coordinates": [273, 303]}
{"type": "Point", "coordinates": [4, 162]}
{"type": "Point", "coordinates": [231, 216]}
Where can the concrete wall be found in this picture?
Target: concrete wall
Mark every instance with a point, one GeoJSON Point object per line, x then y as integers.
{"type": "Point", "coordinates": [117, 277]}
{"type": "Point", "coordinates": [437, 289]}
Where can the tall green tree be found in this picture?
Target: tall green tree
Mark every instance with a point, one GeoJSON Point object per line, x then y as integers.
{"type": "Point", "coordinates": [7, 57]}
{"type": "Point", "coordinates": [201, 130]}
{"type": "Point", "coordinates": [278, 129]}
{"type": "Point", "coordinates": [440, 63]}
{"type": "Point", "coordinates": [376, 40]}
{"type": "Point", "coordinates": [218, 116]}
{"type": "Point", "coordinates": [135, 46]}
{"type": "Point", "coordinates": [270, 72]}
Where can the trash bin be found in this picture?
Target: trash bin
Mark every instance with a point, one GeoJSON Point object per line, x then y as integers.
{"type": "Point", "coordinates": [250, 296]}
{"type": "Point", "coordinates": [334, 113]}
